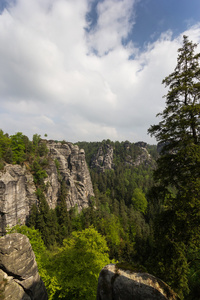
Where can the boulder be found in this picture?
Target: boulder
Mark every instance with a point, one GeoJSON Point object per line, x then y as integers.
{"type": "Point", "coordinates": [121, 284]}
{"type": "Point", "coordinates": [19, 277]}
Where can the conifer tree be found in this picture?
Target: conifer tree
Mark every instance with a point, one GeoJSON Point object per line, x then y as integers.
{"type": "Point", "coordinates": [178, 170]}
{"type": "Point", "coordinates": [63, 214]}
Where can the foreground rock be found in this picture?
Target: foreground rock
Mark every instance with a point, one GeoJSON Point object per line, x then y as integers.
{"type": "Point", "coordinates": [115, 284]}
{"type": "Point", "coordinates": [19, 277]}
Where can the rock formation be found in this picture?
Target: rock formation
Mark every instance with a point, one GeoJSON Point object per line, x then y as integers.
{"type": "Point", "coordinates": [72, 168]}
{"type": "Point", "coordinates": [141, 144]}
{"type": "Point", "coordinates": [17, 195]}
{"type": "Point", "coordinates": [17, 188]}
{"type": "Point", "coordinates": [103, 159]}
{"type": "Point", "coordinates": [19, 277]}
{"type": "Point", "coordinates": [143, 158]}
{"type": "Point", "coordinates": [115, 284]}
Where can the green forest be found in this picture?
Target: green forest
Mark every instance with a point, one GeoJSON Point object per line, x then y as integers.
{"type": "Point", "coordinates": [145, 216]}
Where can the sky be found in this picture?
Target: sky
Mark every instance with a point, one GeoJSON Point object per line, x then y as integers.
{"type": "Point", "coordinates": [89, 70]}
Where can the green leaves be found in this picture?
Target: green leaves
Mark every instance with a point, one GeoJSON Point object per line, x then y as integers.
{"type": "Point", "coordinates": [18, 147]}
{"type": "Point", "coordinates": [77, 264]}
{"type": "Point", "coordinates": [139, 200]}
{"type": "Point", "coordinates": [178, 170]}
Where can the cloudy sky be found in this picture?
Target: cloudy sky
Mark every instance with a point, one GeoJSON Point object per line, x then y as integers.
{"type": "Point", "coordinates": [88, 70]}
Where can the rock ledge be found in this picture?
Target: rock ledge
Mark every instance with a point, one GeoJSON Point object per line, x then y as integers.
{"type": "Point", "coordinates": [115, 284]}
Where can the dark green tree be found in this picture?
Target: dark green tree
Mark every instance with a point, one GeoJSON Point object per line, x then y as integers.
{"type": "Point", "coordinates": [5, 149]}
{"type": "Point", "coordinates": [43, 218]}
{"type": "Point", "coordinates": [63, 214]}
{"type": "Point", "coordinates": [32, 220]}
{"type": "Point", "coordinates": [178, 170]}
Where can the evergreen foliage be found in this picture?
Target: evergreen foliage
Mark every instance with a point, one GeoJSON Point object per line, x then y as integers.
{"type": "Point", "coordinates": [178, 171]}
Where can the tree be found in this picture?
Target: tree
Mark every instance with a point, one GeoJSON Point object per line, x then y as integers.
{"type": "Point", "coordinates": [178, 169]}
{"type": "Point", "coordinates": [139, 200]}
{"type": "Point", "coordinates": [63, 214]}
{"type": "Point", "coordinates": [5, 149]}
{"type": "Point", "coordinates": [18, 148]}
{"type": "Point", "coordinates": [43, 218]}
{"type": "Point", "coordinates": [78, 264]}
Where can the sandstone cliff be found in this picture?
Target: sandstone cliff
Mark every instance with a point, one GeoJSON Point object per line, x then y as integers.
{"type": "Point", "coordinates": [17, 189]}
{"type": "Point", "coordinates": [103, 159]}
{"type": "Point", "coordinates": [115, 283]}
{"type": "Point", "coordinates": [19, 277]}
{"type": "Point", "coordinates": [71, 167]}
{"type": "Point", "coordinates": [17, 195]}
{"type": "Point", "coordinates": [105, 156]}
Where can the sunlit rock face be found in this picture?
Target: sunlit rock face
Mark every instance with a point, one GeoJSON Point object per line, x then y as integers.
{"type": "Point", "coordinates": [68, 163]}
{"type": "Point", "coordinates": [18, 191]}
{"type": "Point", "coordinates": [103, 159]}
{"type": "Point", "coordinates": [116, 283]}
{"type": "Point", "coordinates": [17, 195]}
{"type": "Point", "coordinates": [19, 277]}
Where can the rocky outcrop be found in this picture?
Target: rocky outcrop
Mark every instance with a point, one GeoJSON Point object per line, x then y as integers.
{"type": "Point", "coordinates": [141, 144]}
{"type": "Point", "coordinates": [115, 283]}
{"type": "Point", "coordinates": [17, 189]}
{"type": "Point", "coordinates": [17, 195]}
{"type": "Point", "coordinates": [143, 158]}
{"type": "Point", "coordinates": [19, 277]}
{"type": "Point", "coordinates": [103, 159]}
{"type": "Point", "coordinates": [67, 162]}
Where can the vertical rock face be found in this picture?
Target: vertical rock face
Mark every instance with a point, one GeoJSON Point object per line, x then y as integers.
{"type": "Point", "coordinates": [115, 284]}
{"type": "Point", "coordinates": [19, 277]}
{"type": "Point", "coordinates": [103, 160]}
{"type": "Point", "coordinates": [72, 168]}
{"type": "Point", "coordinates": [17, 188]}
{"type": "Point", "coordinates": [17, 195]}
{"type": "Point", "coordinates": [143, 157]}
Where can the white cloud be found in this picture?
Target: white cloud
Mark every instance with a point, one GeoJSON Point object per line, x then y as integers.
{"type": "Point", "coordinates": [51, 80]}
{"type": "Point", "coordinates": [115, 19]}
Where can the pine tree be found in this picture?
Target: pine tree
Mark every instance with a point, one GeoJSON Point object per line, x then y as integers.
{"type": "Point", "coordinates": [63, 214]}
{"type": "Point", "coordinates": [178, 169]}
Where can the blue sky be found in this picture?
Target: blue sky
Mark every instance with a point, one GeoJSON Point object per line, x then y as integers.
{"type": "Point", "coordinates": [156, 16]}
{"type": "Point", "coordinates": [89, 69]}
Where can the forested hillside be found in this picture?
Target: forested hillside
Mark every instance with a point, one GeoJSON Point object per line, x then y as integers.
{"type": "Point", "coordinates": [116, 220]}
{"type": "Point", "coordinates": [145, 212]}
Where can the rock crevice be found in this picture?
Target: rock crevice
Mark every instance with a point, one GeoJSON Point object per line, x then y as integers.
{"type": "Point", "coordinates": [18, 269]}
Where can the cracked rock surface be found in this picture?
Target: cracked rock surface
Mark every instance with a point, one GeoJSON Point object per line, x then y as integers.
{"type": "Point", "coordinates": [19, 277]}
{"type": "Point", "coordinates": [117, 284]}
